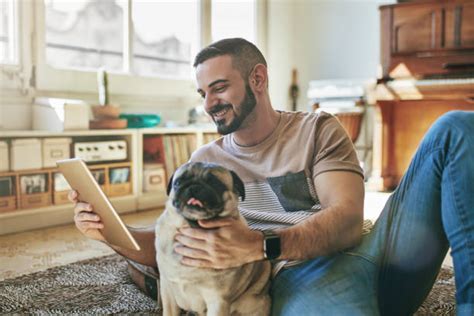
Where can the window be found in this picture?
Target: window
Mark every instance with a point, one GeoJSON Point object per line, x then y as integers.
{"type": "Point", "coordinates": [141, 43]}
{"type": "Point", "coordinates": [232, 18]}
{"type": "Point", "coordinates": [165, 37]}
{"type": "Point", "coordinates": [8, 32]}
{"type": "Point", "coordinates": [89, 34]}
{"type": "Point", "coordinates": [84, 34]}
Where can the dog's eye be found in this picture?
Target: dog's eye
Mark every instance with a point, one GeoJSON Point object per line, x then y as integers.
{"type": "Point", "coordinates": [176, 182]}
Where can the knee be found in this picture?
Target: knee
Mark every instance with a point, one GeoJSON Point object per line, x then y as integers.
{"type": "Point", "coordinates": [456, 119]}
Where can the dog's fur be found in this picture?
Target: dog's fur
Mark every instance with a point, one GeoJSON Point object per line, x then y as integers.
{"type": "Point", "coordinates": [203, 191]}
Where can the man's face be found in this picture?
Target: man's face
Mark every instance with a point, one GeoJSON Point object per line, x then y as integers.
{"type": "Point", "coordinates": [228, 99]}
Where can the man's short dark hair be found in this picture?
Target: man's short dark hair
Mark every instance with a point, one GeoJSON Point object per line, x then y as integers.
{"type": "Point", "coordinates": [245, 55]}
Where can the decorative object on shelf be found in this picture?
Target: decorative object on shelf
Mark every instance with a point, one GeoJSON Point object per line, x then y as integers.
{"type": "Point", "coordinates": [294, 90]}
{"type": "Point", "coordinates": [111, 150]}
{"type": "Point", "coordinates": [106, 115]}
{"type": "Point", "coordinates": [58, 115]}
{"type": "Point", "coordinates": [154, 178]}
{"type": "Point", "coordinates": [141, 120]}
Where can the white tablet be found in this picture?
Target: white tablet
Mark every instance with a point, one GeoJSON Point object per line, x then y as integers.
{"type": "Point", "coordinates": [81, 179]}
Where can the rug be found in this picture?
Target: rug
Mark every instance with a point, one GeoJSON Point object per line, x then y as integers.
{"type": "Point", "coordinates": [102, 286]}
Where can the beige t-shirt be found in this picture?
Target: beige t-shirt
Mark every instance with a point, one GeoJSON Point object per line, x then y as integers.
{"type": "Point", "coordinates": [279, 172]}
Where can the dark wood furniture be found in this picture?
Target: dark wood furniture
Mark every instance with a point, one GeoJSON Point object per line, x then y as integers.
{"type": "Point", "coordinates": [427, 56]}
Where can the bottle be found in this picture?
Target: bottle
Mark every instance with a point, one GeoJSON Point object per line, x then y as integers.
{"type": "Point", "coordinates": [294, 89]}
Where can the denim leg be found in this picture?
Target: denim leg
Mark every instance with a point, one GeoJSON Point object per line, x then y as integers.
{"type": "Point", "coordinates": [338, 285]}
{"type": "Point", "coordinates": [432, 209]}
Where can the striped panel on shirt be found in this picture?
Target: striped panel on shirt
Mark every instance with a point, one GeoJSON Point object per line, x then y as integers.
{"type": "Point", "coordinates": [263, 210]}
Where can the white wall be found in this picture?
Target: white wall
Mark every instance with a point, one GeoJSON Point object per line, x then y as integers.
{"type": "Point", "coordinates": [322, 39]}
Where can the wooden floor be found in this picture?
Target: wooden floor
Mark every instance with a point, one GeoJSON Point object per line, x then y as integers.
{"type": "Point", "coordinates": [28, 252]}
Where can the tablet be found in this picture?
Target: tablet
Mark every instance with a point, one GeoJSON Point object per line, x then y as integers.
{"type": "Point", "coordinates": [81, 179]}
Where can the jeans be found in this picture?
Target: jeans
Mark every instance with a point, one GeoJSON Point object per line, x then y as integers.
{"type": "Point", "coordinates": [392, 271]}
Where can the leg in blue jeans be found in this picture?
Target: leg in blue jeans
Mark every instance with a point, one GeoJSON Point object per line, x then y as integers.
{"type": "Point", "coordinates": [432, 209]}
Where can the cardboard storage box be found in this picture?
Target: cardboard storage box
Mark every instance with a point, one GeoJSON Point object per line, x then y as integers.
{"type": "Point", "coordinates": [35, 190]}
{"type": "Point", "coordinates": [7, 204]}
{"type": "Point", "coordinates": [7, 193]}
{"type": "Point", "coordinates": [25, 154]}
{"type": "Point", "coordinates": [4, 157]}
{"type": "Point", "coordinates": [55, 149]}
{"type": "Point", "coordinates": [119, 180]}
{"type": "Point", "coordinates": [60, 189]}
{"type": "Point", "coordinates": [154, 178]}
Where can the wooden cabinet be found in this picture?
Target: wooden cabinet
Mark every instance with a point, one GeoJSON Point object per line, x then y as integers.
{"type": "Point", "coordinates": [427, 38]}
{"type": "Point", "coordinates": [399, 128]}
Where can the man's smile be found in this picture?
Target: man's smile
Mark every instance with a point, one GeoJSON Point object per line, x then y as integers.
{"type": "Point", "coordinates": [220, 112]}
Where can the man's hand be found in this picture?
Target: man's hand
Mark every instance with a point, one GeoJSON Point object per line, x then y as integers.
{"type": "Point", "coordinates": [85, 219]}
{"type": "Point", "coordinates": [219, 244]}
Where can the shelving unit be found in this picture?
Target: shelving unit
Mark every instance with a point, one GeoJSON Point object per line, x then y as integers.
{"type": "Point", "coordinates": [146, 200]}
{"type": "Point", "coordinates": [131, 194]}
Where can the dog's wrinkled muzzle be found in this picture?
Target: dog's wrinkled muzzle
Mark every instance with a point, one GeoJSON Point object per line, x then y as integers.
{"type": "Point", "coordinates": [198, 200]}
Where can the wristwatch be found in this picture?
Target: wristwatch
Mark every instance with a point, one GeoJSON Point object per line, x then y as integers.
{"type": "Point", "coordinates": [271, 245]}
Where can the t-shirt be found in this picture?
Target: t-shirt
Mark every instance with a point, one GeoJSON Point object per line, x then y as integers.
{"type": "Point", "coordinates": [279, 172]}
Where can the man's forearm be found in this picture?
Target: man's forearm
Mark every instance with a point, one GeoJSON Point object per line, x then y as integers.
{"type": "Point", "coordinates": [326, 232]}
{"type": "Point", "coordinates": [145, 238]}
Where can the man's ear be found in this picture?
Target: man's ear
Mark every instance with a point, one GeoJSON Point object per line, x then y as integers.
{"type": "Point", "coordinates": [259, 77]}
{"type": "Point", "coordinates": [238, 185]}
{"type": "Point", "coordinates": [170, 185]}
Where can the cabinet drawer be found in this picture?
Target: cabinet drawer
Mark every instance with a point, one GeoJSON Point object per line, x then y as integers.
{"type": "Point", "coordinates": [120, 189]}
{"type": "Point", "coordinates": [7, 204]}
{"type": "Point", "coordinates": [60, 197]}
{"type": "Point", "coordinates": [35, 200]}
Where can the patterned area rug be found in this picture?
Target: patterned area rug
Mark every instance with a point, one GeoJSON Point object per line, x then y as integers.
{"type": "Point", "coordinates": [102, 286]}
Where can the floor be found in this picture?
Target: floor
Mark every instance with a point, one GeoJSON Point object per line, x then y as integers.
{"type": "Point", "coordinates": [28, 252]}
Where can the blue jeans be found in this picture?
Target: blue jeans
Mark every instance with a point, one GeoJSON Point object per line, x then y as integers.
{"type": "Point", "coordinates": [392, 271]}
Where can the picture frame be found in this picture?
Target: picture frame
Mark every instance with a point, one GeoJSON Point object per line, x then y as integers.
{"type": "Point", "coordinates": [34, 183]}
{"type": "Point", "coordinates": [119, 175]}
{"type": "Point", "coordinates": [6, 186]}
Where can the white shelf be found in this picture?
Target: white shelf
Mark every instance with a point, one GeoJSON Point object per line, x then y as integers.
{"type": "Point", "coordinates": [95, 132]}
{"type": "Point", "coordinates": [29, 219]}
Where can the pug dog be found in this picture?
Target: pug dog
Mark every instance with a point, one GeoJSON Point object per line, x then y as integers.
{"type": "Point", "coordinates": [199, 191]}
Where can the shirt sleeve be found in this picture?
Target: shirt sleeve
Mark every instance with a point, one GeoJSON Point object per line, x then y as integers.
{"type": "Point", "coordinates": [334, 151]}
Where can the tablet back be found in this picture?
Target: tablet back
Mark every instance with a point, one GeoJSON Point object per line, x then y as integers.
{"type": "Point", "coordinates": [81, 179]}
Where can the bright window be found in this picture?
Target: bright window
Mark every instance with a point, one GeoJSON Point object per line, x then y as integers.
{"type": "Point", "coordinates": [8, 32]}
{"type": "Point", "coordinates": [232, 18]}
{"type": "Point", "coordinates": [88, 34]}
{"type": "Point", "coordinates": [141, 43]}
{"type": "Point", "coordinates": [166, 35]}
{"type": "Point", "coordinates": [84, 35]}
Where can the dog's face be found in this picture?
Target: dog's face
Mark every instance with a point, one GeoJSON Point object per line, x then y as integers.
{"type": "Point", "coordinates": [204, 191]}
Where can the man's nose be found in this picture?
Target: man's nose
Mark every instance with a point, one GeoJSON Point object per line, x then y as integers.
{"type": "Point", "coordinates": [210, 102]}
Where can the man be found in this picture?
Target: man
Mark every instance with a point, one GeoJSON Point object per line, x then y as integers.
{"type": "Point", "coordinates": [304, 188]}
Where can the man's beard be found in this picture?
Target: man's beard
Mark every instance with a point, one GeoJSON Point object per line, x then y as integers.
{"type": "Point", "coordinates": [246, 107]}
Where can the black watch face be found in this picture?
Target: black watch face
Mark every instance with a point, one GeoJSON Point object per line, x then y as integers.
{"type": "Point", "coordinates": [273, 250]}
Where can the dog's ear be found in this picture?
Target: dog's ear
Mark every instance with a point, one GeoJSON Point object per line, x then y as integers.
{"type": "Point", "coordinates": [170, 185]}
{"type": "Point", "coordinates": [238, 185]}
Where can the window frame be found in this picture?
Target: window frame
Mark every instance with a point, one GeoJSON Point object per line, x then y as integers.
{"type": "Point", "coordinates": [53, 81]}
{"type": "Point", "coordinates": [15, 78]}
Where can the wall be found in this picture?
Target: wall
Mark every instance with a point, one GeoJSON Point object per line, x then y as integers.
{"type": "Point", "coordinates": [323, 39]}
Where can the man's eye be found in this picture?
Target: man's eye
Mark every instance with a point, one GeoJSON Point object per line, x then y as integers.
{"type": "Point", "coordinates": [220, 89]}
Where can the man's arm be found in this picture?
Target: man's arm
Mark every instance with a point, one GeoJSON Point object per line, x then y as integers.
{"type": "Point", "coordinates": [336, 227]}
{"type": "Point", "coordinates": [89, 224]}
{"type": "Point", "coordinates": [227, 243]}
